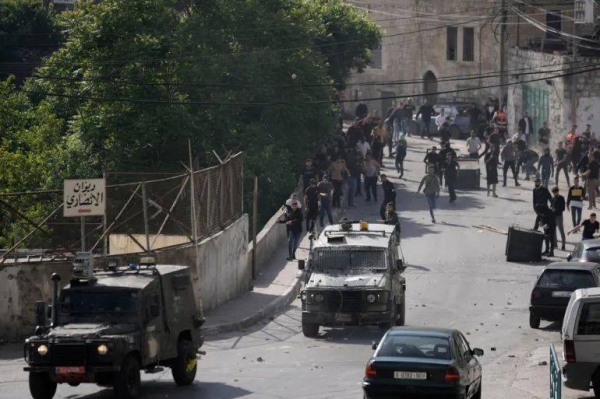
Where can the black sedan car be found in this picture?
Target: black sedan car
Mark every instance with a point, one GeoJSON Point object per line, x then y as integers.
{"type": "Point", "coordinates": [586, 251]}
{"type": "Point", "coordinates": [412, 362]}
{"type": "Point", "coordinates": [553, 288]}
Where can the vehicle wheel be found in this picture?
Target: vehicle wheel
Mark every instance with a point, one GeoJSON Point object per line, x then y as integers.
{"type": "Point", "coordinates": [596, 384]}
{"type": "Point", "coordinates": [127, 381]}
{"type": "Point", "coordinates": [310, 330]}
{"type": "Point", "coordinates": [478, 393]}
{"type": "Point", "coordinates": [401, 313]}
{"type": "Point", "coordinates": [74, 384]}
{"type": "Point", "coordinates": [534, 320]}
{"type": "Point", "coordinates": [41, 386]}
{"type": "Point", "coordinates": [455, 132]}
{"type": "Point", "coordinates": [186, 364]}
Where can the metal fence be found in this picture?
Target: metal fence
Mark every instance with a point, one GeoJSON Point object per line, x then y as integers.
{"type": "Point", "coordinates": [555, 375]}
{"type": "Point", "coordinates": [151, 209]}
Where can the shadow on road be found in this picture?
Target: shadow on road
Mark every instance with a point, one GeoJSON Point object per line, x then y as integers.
{"type": "Point", "coordinates": [553, 326]}
{"type": "Point", "coordinates": [162, 389]}
{"type": "Point", "coordinates": [11, 351]}
{"type": "Point", "coordinates": [416, 267]}
{"type": "Point", "coordinates": [351, 335]}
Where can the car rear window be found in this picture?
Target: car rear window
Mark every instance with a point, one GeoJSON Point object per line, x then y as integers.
{"type": "Point", "coordinates": [567, 278]}
{"type": "Point", "coordinates": [589, 321]}
{"type": "Point", "coordinates": [592, 254]}
{"type": "Point", "coordinates": [416, 346]}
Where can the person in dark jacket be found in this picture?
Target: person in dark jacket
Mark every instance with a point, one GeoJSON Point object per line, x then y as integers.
{"type": "Point", "coordinates": [575, 201]}
{"type": "Point", "coordinates": [400, 155]}
{"type": "Point", "coordinates": [546, 220]}
{"type": "Point", "coordinates": [541, 196]}
{"type": "Point", "coordinates": [389, 195]}
{"type": "Point", "coordinates": [451, 168]}
{"type": "Point", "coordinates": [294, 221]}
{"type": "Point", "coordinates": [311, 204]}
{"type": "Point", "coordinates": [308, 173]}
{"type": "Point", "coordinates": [546, 167]}
{"type": "Point", "coordinates": [558, 207]}
{"type": "Point", "coordinates": [426, 111]}
{"type": "Point", "coordinates": [391, 218]}
{"type": "Point", "coordinates": [433, 158]}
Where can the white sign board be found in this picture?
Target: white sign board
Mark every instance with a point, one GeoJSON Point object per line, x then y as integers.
{"type": "Point", "coordinates": [64, 1]}
{"type": "Point", "coordinates": [584, 11]}
{"type": "Point", "coordinates": [84, 197]}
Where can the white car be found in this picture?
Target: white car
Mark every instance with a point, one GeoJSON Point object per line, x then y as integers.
{"type": "Point", "coordinates": [581, 339]}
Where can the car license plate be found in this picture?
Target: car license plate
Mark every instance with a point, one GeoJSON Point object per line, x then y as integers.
{"type": "Point", "coordinates": [561, 294]}
{"type": "Point", "coordinates": [343, 317]}
{"type": "Point", "coordinates": [409, 375]}
{"type": "Point", "coordinates": [70, 370]}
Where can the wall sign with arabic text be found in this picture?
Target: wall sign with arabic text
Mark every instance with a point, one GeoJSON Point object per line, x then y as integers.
{"type": "Point", "coordinates": [84, 197]}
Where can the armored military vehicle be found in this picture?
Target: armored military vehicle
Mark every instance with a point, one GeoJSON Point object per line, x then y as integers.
{"type": "Point", "coordinates": [108, 325]}
{"type": "Point", "coordinates": [353, 277]}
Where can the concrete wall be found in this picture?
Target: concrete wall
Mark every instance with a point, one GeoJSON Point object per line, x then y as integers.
{"type": "Point", "coordinates": [272, 236]}
{"type": "Point", "coordinates": [222, 272]}
{"type": "Point", "coordinates": [20, 287]}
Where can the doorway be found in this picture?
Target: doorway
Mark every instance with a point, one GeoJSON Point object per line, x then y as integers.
{"type": "Point", "coordinates": [430, 86]}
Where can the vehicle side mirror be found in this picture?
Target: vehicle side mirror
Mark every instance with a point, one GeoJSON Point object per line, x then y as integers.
{"type": "Point", "coordinates": [40, 314]}
{"type": "Point", "coordinates": [400, 265]}
{"type": "Point", "coordinates": [477, 352]}
{"type": "Point", "coordinates": [569, 257]}
{"type": "Point", "coordinates": [48, 311]}
{"type": "Point", "coordinates": [301, 264]}
{"type": "Point", "coordinates": [374, 346]}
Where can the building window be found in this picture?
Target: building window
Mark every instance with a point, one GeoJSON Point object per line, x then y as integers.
{"type": "Point", "coordinates": [468, 44]}
{"type": "Point", "coordinates": [376, 59]}
{"type": "Point", "coordinates": [451, 43]}
{"type": "Point", "coordinates": [554, 21]}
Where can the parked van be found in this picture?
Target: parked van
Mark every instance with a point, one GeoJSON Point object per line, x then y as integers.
{"type": "Point", "coordinates": [581, 339]}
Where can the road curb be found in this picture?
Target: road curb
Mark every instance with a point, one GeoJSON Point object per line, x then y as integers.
{"type": "Point", "coordinates": [267, 311]}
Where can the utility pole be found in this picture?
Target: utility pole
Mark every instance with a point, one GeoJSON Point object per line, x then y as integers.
{"type": "Point", "coordinates": [503, 40]}
{"type": "Point", "coordinates": [574, 97]}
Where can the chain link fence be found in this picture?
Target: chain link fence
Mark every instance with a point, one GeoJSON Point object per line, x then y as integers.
{"type": "Point", "coordinates": [144, 212]}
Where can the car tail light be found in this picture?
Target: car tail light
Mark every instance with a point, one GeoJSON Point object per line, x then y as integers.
{"type": "Point", "coordinates": [536, 294]}
{"type": "Point", "coordinates": [452, 374]}
{"type": "Point", "coordinates": [570, 351]}
{"type": "Point", "coordinates": [370, 370]}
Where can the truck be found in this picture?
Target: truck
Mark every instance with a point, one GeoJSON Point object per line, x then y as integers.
{"type": "Point", "coordinates": [353, 277]}
{"type": "Point", "coordinates": [108, 325]}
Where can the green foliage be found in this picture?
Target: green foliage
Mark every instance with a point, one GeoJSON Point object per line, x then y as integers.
{"type": "Point", "coordinates": [27, 33]}
{"type": "Point", "coordinates": [135, 80]}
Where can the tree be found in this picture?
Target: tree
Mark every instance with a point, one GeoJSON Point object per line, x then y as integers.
{"type": "Point", "coordinates": [135, 80]}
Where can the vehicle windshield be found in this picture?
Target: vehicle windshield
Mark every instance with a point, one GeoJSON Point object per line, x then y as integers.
{"type": "Point", "coordinates": [592, 254]}
{"type": "Point", "coordinates": [93, 305]}
{"type": "Point", "coordinates": [572, 279]}
{"type": "Point", "coordinates": [350, 259]}
{"type": "Point", "coordinates": [416, 346]}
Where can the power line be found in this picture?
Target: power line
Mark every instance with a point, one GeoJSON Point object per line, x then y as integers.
{"type": "Point", "coordinates": [311, 102]}
{"type": "Point", "coordinates": [450, 78]}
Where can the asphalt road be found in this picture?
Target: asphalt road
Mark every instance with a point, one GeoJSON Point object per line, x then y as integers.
{"type": "Point", "coordinates": [457, 277]}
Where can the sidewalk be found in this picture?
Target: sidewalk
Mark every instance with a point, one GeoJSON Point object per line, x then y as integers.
{"type": "Point", "coordinates": [277, 284]}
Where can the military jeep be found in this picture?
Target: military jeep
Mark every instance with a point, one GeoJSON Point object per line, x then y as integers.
{"type": "Point", "coordinates": [353, 277]}
{"type": "Point", "coordinates": [107, 326]}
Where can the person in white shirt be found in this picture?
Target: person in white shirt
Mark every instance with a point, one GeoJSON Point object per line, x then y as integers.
{"type": "Point", "coordinates": [473, 145]}
{"type": "Point", "coordinates": [441, 118]}
{"type": "Point", "coordinates": [363, 147]}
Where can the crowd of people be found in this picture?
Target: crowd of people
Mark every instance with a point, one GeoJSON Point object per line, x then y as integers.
{"type": "Point", "coordinates": [349, 165]}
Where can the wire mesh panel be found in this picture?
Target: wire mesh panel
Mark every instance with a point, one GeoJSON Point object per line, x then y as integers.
{"type": "Point", "coordinates": [145, 211]}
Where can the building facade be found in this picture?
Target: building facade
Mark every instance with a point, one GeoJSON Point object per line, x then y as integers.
{"type": "Point", "coordinates": [453, 50]}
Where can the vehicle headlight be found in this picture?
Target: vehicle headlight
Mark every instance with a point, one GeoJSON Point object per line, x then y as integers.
{"type": "Point", "coordinates": [371, 298]}
{"type": "Point", "coordinates": [102, 349]}
{"type": "Point", "coordinates": [319, 298]}
{"type": "Point", "coordinates": [42, 350]}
